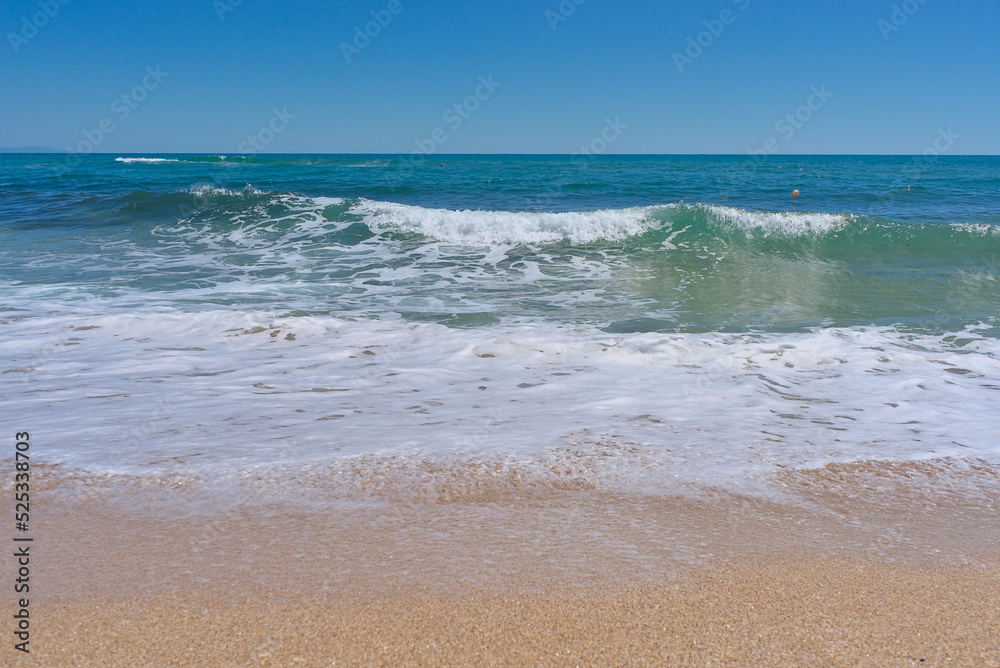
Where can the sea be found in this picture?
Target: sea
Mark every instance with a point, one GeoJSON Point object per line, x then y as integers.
{"type": "Point", "coordinates": [656, 323]}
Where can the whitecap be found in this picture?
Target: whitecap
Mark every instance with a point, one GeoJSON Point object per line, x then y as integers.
{"type": "Point", "coordinates": [492, 228]}
{"type": "Point", "coordinates": [145, 161]}
{"type": "Point", "coordinates": [792, 223]}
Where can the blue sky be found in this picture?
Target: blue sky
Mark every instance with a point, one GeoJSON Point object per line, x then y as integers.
{"type": "Point", "coordinates": [561, 74]}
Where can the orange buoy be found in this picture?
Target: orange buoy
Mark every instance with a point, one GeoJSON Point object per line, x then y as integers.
{"type": "Point", "coordinates": [795, 193]}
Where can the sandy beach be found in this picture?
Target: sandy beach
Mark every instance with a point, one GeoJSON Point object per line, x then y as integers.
{"type": "Point", "coordinates": [553, 333]}
{"type": "Point", "coordinates": [778, 612]}
{"type": "Point", "coordinates": [156, 574]}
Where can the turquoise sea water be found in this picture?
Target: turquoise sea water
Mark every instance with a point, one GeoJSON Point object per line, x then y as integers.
{"type": "Point", "coordinates": [146, 298]}
{"type": "Point", "coordinates": [620, 243]}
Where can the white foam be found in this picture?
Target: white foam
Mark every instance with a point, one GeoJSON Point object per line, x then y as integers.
{"type": "Point", "coordinates": [790, 223]}
{"type": "Point", "coordinates": [492, 228]}
{"type": "Point", "coordinates": [207, 189]}
{"type": "Point", "coordinates": [979, 229]}
{"type": "Point", "coordinates": [215, 392]}
{"type": "Point", "coordinates": [327, 201]}
{"type": "Point", "coordinates": [149, 161]}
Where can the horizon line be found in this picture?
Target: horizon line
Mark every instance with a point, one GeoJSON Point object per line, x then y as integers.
{"type": "Point", "coordinates": [48, 151]}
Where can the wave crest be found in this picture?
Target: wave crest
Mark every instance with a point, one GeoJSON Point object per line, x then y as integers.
{"type": "Point", "coordinates": [145, 161]}
{"type": "Point", "coordinates": [207, 189]}
{"type": "Point", "coordinates": [495, 228]}
{"type": "Point", "coordinates": [788, 223]}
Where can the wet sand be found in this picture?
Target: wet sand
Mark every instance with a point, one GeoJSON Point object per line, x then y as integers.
{"type": "Point", "coordinates": [833, 613]}
{"type": "Point", "coordinates": [863, 565]}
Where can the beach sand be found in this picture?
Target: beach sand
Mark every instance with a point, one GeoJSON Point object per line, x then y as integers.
{"type": "Point", "coordinates": [867, 564]}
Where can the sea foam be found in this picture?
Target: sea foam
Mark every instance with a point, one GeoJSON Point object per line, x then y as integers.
{"type": "Point", "coordinates": [145, 161]}
{"type": "Point", "coordinates": [490, 228]}
{"type": "Point", "coordinates": [219, 393]}
{"type": "Point", "coordinates": [790, 223]}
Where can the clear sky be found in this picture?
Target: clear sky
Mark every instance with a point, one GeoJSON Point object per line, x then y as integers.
{"type": "Point", "coordinates": [206, 75]}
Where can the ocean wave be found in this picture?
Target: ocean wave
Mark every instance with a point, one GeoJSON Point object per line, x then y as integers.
{"type": "Point", "coordinates": [664, 225]}
{"type": "Point", "coordinates": [980, 229]}
{"type": "Point", "coordinates": [145, 161]}
{"type": "Point", "coordinates": [789, 223]}
{"type": "Point", "coordinates": [478, 227]}
{"type": "Point", "coordinates": [207, 189]}
{"type": "Point", "coordinates": [493, 228]}
{"type": "Point", "coordinates": [674, 227]}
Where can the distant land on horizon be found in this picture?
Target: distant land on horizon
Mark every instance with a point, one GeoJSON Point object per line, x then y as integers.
{"type": "Point", "coordinates": [29, 149]}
